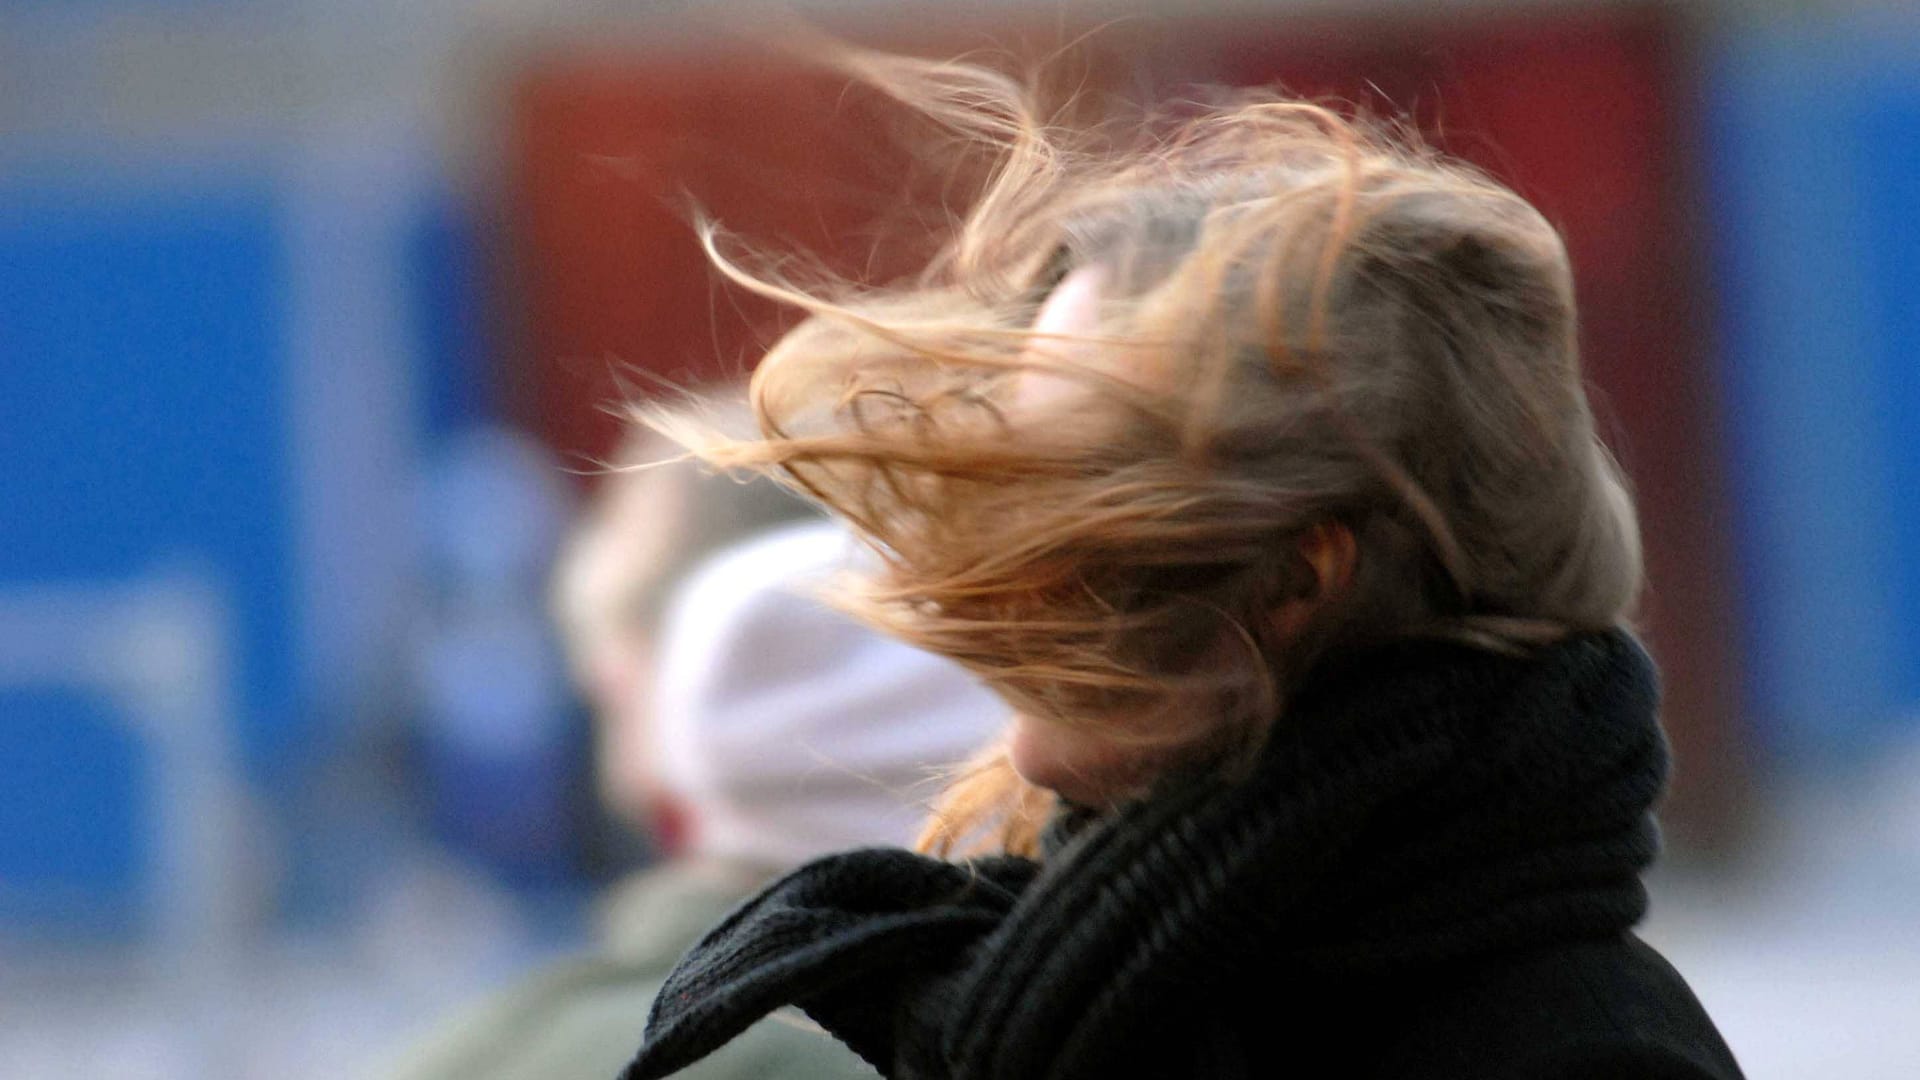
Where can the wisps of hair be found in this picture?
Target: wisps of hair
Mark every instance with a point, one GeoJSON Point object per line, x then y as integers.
{"type": "Point", "coordinates": [1339, 326]}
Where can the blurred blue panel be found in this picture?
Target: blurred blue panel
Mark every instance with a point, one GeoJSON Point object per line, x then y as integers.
{"type": "Point", "coordinates": [72, 799]}
{"type": "Point", "coordinates": [142, 412]}
{"type": "Point", "coordinates": [1812, 144]}
{"type": "Point", "coordinates": [1888, 154]}
{"type": "Point", "coordinates": [449, 318]}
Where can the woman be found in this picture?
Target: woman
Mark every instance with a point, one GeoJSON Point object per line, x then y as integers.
{"type": "Point", "coordinates": [1249, 461]}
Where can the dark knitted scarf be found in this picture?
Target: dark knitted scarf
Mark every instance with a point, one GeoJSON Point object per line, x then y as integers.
{"type": "Point", "coordinates": [1418, 804]}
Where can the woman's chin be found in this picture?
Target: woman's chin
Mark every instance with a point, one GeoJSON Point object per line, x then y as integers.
{"type": "Point", "coordinates": [1080, 769]}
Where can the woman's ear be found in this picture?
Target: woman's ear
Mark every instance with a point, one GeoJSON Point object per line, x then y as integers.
{"type": "Point", "coordinates": [1329, 549]}
{"type": "Point", "coordinates": [1330, 553]}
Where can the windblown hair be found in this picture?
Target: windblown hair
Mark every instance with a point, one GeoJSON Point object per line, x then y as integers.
{"type": "Point", "coordinates": [1343, 328]}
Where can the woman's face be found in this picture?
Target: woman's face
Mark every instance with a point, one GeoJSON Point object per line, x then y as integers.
{"type": "Point", "coordinates": [1083, 764]}
{"type": "Point", "coordinates": [1089, 764]}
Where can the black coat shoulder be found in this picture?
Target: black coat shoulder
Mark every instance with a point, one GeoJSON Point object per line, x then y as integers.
{"type": "Point", "coordinates": [1610, 1007]}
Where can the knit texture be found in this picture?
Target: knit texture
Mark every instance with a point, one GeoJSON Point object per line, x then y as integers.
{"type": "Point", "coordinates": [1418, 805]}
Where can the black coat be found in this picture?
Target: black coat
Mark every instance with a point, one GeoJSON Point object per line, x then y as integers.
{"type": "Point", "coordinates": [1431, 872]}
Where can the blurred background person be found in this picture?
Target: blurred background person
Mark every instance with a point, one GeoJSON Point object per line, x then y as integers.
{"type": "Point", "coordinates": [653, 521]}
{"type": "Point", "coordinates": [746, 727]}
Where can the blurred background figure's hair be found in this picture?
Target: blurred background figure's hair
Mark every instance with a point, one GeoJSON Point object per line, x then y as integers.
{"type": "Point", "coordinates": [1305, 319]}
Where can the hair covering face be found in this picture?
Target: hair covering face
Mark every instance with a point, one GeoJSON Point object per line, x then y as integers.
{"type": "Point", "coordinates": [789, 730]}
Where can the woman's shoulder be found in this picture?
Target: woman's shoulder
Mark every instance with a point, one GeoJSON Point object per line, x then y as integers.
{"type": "Point", "coordinates": [1604, 1007]}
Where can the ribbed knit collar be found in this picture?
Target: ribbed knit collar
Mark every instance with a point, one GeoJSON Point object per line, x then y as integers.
{"type": "Point", "coordinates": [1417, 804]}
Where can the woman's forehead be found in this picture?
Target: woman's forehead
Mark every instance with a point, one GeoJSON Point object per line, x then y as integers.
{"type": "Point", "coordinates": [1073, 307]}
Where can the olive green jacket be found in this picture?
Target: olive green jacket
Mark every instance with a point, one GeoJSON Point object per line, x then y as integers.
{"type": "Point", "coordinates": [583, 1019]}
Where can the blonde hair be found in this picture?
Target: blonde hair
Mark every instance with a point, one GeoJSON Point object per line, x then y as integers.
{"type": "Point", "coordinates": [1347, 328]}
